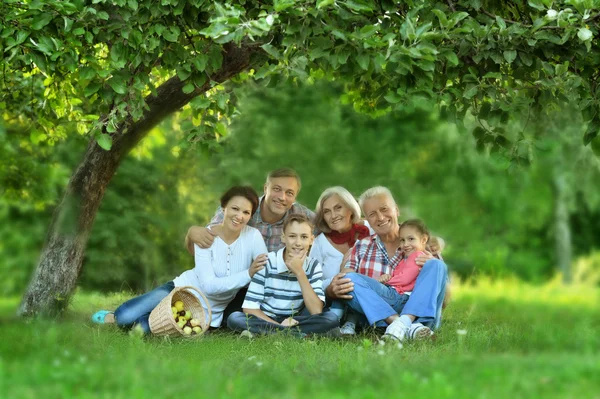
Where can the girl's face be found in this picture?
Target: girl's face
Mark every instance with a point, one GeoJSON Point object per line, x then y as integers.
{"type": "Point", "coordinates": [412, 240]}
{"type": "Point", "coordinates": [336, 214]}
{"type": "Point", "coordinates": [237, 213]}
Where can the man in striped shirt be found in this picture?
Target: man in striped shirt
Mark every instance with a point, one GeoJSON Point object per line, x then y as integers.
{"type": "Point", "coordinates": [288, 292]}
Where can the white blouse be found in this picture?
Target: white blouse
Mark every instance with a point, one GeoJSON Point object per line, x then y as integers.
{"type": "Point", "coordinates": [222, 270]}
{"type": "Point", "coordinates": [329, 257]}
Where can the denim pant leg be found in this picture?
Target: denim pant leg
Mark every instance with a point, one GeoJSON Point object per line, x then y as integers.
{"type": "Point", "coordinates": [137, 310]}
{"type": "Point", "coordinates": [427, 297]}
{"type": "Point", "coordinates": [373, 299]}
{"type": "Point", "coordinates": [317, 323]}
{"type": "Point", "coordinates": [240, 321]}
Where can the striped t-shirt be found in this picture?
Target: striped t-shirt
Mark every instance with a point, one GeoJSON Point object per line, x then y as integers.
{"type": "Point", "coordinates": [276, 291]}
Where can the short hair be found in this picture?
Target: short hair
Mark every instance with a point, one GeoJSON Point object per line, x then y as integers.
{"type": "Point", "coordinates": [285, 172]}
{"type": "Point", "coordinates": [241, 191]}
{"type": "Point", "coordinates": [298, 218]}
{"type": "Point", "coordinates": [373, 192]}
{"type": "Point", "coordinates": [417, 224]}
{"type": "Point", "coordinates": [345, 197]}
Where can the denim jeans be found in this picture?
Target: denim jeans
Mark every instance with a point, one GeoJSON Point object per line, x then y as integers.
{"type": "Point", "coordinates": [137, 310]}
{"type": "Point", "coordinates": [307, 324]}
{"type": "Point", "coordinates": [378, 301]}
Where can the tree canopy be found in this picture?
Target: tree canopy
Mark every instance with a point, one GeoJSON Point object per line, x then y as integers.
{"type": "Point", "coordinates": [113, 69]}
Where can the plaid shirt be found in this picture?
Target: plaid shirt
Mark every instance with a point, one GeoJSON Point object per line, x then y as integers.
{"type": "Point", "coordinates": [271, 232]}
{"type": "Point", "coordinates": [369, 257]}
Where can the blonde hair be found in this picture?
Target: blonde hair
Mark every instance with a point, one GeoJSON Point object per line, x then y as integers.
{"type": "Point", "coordinates": [345, 197]}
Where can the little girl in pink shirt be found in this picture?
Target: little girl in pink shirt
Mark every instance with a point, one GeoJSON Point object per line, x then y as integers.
{"type": "Point", "coordinates": [413, 241]}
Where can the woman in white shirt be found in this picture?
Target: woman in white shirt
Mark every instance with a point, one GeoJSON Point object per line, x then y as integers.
{"type": "Point", "coordinates": [220, 271]}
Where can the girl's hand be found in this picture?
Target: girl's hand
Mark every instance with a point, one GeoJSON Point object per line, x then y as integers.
{"type": "Point", "coordinates": [289, 322]}
{"type": "Point", "coordinates": [384, 278]}
{"type": "Point", "coordinates": [258, 264]}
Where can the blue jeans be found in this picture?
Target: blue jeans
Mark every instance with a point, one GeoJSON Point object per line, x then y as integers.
{"type": "Point", "coordinates": [137, 310]}
{"type": "Point", "coordinates": [378, 301]}
{"type": "Point", "coordinates": [307, 323]}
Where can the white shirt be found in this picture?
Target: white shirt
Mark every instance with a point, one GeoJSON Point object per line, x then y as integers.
{"type": "Point", "coordinates": [222, 270]}
{"type": "Point", "coordinates": [329, 257]}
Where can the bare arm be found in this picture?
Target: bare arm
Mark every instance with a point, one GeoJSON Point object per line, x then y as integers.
{"type": "Point", "coordinates": [311, 300]}
{"type": "Point", "coordinates": [260, 314]}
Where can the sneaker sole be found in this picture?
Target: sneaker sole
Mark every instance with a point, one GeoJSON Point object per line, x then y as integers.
{"type": "Point", "coordinates": [422, 333]}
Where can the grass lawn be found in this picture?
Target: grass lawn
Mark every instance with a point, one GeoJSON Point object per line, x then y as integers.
{"type": "Point", "coordinates": [519, 341]}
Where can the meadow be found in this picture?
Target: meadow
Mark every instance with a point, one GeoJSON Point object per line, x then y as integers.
{"type": "Point", "coordinates": [502, 339]}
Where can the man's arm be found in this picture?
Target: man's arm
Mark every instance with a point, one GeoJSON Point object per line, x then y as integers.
{"type": "Point", "coordinates": [202, 236]}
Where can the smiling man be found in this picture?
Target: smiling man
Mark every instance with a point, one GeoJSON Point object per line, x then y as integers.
{"type": "Point", "coordinates": [279, 200]}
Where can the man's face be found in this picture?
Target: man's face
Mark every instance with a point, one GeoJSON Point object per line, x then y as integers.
{"type": "Point", "coordinates": [280, 194]}
{"type": "Point", "coordinates": [382, 214]}
{"type": "Point", "coordinates": [298, 238]}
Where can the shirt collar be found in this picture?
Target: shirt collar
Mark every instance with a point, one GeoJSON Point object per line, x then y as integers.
{"type": "Point", "coordinates": [258, 216]}
{"type": "Point", "coordinates": [281, 266]}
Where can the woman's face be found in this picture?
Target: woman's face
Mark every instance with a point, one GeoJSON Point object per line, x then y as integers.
{"type": "Point", "coordinates": [412, 240]}
{"type": "Point", "coordinates": [336, 214]}
{"type": "Point", "coordinates": [237, 213]}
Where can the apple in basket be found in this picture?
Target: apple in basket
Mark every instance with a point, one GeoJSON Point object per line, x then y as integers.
{"type": "Point", "coordinates": [187, 330]}
{"type": "Point", "coordinates": [187, 315]}
{"type": "Point", "coordinates": [197, 329]}
{"type": "Point", "coordinates": [179, 305]}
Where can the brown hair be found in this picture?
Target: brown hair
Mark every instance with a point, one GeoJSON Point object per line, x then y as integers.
{"type": "Point", "coordinates": [417, 224]}
{"type": "Point", "coordinates": [285, 172]}
{"type": "Point", "coordinates": [240, 191]}
{"type": "Point", "coordinates": [298, 218]}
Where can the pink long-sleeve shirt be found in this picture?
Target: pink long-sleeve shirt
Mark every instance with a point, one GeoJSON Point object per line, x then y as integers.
{"type": "Point", "coordinates": [405, 274]}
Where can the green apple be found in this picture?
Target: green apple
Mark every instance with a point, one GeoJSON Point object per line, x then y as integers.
{"type": "Point", "coordinates": [188, 315]}
{"type": "Point", "coordinates": [178, 305]}
{"type": "Point", "coordinates": [195, 322]}
{"type": "Point", "coordinates": [197, 329]}
{"type": "Point", "coordinates": [187, 330]}
{"type": "Point", "coordinates": [181, 324]}
{"type": "Point", "coordinates": [174, 309]}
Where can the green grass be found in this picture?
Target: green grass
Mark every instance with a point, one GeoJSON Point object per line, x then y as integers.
{"type": "Point", "coordinates": [521, 342]}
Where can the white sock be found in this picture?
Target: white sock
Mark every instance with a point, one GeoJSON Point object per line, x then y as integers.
{"type": "Point", "coordinates": [406, 321]}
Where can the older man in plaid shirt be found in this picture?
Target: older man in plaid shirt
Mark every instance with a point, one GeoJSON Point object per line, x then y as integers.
{"type": "Point", "coordinates": [379, 254]}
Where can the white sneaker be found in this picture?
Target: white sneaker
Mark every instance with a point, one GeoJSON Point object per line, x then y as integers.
{"type": "Point", "coordinates": [348, 328]}
{"type": "Point", "coordinates": [396, 331]}
{"type": "Point", "coordinates": [419, 331]}
{"type": "Point", "coordinates": [246, 334]}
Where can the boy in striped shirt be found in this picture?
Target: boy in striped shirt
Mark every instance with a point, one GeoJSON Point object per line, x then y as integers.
{"type": "Point", "coordinates": [288, 292]}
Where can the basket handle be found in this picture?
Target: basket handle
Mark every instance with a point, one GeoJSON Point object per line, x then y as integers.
{"type": "Point", "coordinates": [190, 287]}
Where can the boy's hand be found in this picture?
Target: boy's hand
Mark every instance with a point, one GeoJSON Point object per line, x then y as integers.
{"type": "Point", "coordinates": [295, 261]}
{"type": "Point", "coordinates": [289, 322]}
{"type": "Point", "coordinates": [384, 278]}
{"type": "Point", "coordinates": [258, 264]}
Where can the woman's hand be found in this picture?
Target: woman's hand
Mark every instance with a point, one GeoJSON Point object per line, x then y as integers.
{"type": "Point", "coordinates": [384, 278]}
{"type": "Point", "coordinates": [289, 322]}
{"type": "Point", "coordinates": [422, 258]}
{"type": "Point", "coordinates": [258, 264]}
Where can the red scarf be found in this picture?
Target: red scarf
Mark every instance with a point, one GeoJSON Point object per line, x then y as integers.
{"type": "Point", "coordinates": [349, 237]}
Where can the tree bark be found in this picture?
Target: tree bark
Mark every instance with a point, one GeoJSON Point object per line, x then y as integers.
{"type": "Point", "coordinates": [58, 270]}
{"type": "Point", "coordinates": [562, 227]}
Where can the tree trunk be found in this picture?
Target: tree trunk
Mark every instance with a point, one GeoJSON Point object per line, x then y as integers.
{"type": "Point", "coordinates": [60, 264]}
{"type": "Point", "coordinates": [562, 228]}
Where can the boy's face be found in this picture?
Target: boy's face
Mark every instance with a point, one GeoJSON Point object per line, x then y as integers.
{"type": "Point", "coordinates": [297, 237]}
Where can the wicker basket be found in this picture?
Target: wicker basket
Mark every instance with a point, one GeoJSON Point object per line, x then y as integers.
{"type": "Point", "coordinates": [162, 321]}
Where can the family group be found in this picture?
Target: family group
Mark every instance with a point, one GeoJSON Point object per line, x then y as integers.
{"type": "Point", "coordinates": [270, 264]}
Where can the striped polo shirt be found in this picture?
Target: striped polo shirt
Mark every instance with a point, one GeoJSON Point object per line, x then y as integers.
{"type": "Point", "coordinates": [276, 291]}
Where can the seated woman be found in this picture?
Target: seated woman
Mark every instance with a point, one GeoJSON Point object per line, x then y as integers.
{"type": "Point", "coordinates": [337, 215]}
{"type": "Point", "coordinates": [220, 271]}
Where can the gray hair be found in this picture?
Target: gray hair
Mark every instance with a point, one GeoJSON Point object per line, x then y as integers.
{"type": "Point", "coordinates": [374, 192]}
{"type": "Point", "coordinates": [345, 197]}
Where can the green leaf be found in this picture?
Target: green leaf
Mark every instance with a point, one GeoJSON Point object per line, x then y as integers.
{"type": "Point", "coordinates": [500, 23]}
{"type": "Point", "coordinates": [441, 16]}
{"type": "Point", "coordinates": [200, 102]}
{"type": "Point", "coordinates": [188, 88]}
{"type": "Point", "coordinates": [324, 3]}
{"type": "Point", "coordinates": [510, 55]}
{"type": "Point", "coordinates": [451, 57]}
{"type": "Point", "coordinates": [41, 20]}
{"type": "Point", "coordinates": [493, 75]}
{"type": "Point", "coordinates": [103, 15]}
{"type": "Point", "coordinates": [118, 84]}
{"type": "Point", "coordinates": [92, 88]}
{"type": "Point", "coordinates": [470, 93]}
{"type": "Point", "coordinates": [105, 141]}
{"type": "Point", "coordinates": [272, 51]}
{"type": "Point", "coordinates": [363, 60]}
{"type": "Point", "coordinates": [133, 4]}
